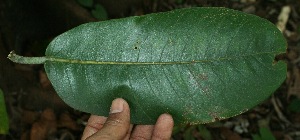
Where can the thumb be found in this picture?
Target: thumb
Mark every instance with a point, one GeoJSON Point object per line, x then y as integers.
{"type": "Point", "coordinates": [118, 122]}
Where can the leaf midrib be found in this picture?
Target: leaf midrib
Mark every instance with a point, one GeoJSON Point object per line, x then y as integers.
{"type": "Point", "coordinates": [92, 62]}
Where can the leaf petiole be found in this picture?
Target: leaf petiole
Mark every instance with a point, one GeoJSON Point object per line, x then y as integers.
{"type": "Point", "coordinates": [26, 60]}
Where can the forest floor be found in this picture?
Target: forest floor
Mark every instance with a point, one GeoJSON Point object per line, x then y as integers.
{"type": "Point", "coordinates": [36, 112]}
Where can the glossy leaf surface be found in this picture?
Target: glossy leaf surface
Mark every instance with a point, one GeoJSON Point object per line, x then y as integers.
{"type": "Point", "coordinates": [198, 64]}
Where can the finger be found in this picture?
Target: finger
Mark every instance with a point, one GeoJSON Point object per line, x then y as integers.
{"type": "Point", "coordinates": [118, 122]}
{"type": "Point", "coordinates": [94, 124]}
{"type": "Point", "coordinates": [163, 127]}
{"type": "Point", "coordinates": [129, 132]}
{"type": "Point", "coordinates": [142, 132]}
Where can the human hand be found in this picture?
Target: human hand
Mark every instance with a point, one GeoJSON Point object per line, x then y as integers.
{"type": "Point", "coordinates": [117, 126]}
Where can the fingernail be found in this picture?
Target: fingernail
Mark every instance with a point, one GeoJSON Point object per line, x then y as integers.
{"type": "Point", "coordinates": [116, 106]}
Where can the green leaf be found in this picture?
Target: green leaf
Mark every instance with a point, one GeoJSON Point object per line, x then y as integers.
{"type": "Point", "coordinates": [204, 132]}
{"type": "Point", "coordinates": [4, 123]}
{"type": "Point", "coordinates": [294, 105]}
{"type": "Point", "coordinates": [176, 129]}
{"type": "Point", "coordinates": [99, 12]}
{"type": "Point", "coordinates": [188, 133]}
{"type": "Point", "coordinates": [256, 137]}
{"type": "Point", "coordinates": [198, 64]}
{"type": "Point", "coordinates": [86, 3]}
{"type": "Point", "coordinates": [265, 134]}
{"type": "Point", "coordinates": [179, 1]}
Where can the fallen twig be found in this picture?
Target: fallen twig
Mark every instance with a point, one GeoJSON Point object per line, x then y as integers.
{"type": "Point", "coordinates": [283, 18]}
{"type": "Point", "coordinates": [278, 111]}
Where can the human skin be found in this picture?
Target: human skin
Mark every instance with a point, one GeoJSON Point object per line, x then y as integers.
{"type": "Point", "coordinates": [117, 126]}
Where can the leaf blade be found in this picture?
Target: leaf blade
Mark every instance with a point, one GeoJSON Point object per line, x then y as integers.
{"type": "Point", "coordinates": [184, 68]}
